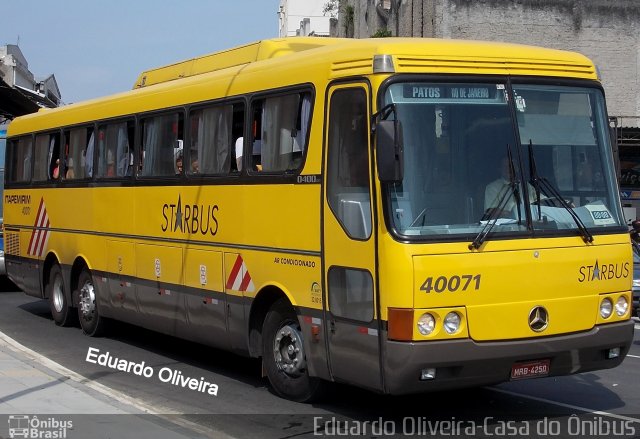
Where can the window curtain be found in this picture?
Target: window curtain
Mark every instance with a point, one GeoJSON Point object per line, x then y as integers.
{"type": "Point", "coordinates": [88, 164]}
{"type": "Point", "coordinates": [23, 155]}
{"type": "Point", "coordinates": [214, 140]}
{"type": "Point", "coordinates": [150, 146]}
{"type": "Point", "coordinates": [278, 121]}
{"type": "Point", "coordinates": [159, 144]}
{"type": "Point", "coordinates": [42, 167]}
{"type": "Point", "coordinates": [45, 146]}
{"type": "Point", "coordinates": [305, 114]}
{"type": "Point", "coordinates": [102, 151]}
{"type": "Point", "coordinates": [122, 150]}
{"type": "Point", "coordinates": [75, 161]}
{"type": "Point", "coordinates": [111, 147]}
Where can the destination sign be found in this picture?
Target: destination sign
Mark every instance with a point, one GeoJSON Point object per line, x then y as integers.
{"type": "Point", "coordinates": [471, 92]}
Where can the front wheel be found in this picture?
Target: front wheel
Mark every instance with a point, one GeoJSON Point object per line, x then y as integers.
{"type": "Point", "coordinates": [91, 321]}
{"type": "Point", "coordinates": [284, 356]}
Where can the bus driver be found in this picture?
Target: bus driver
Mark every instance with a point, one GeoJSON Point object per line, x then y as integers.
{"type": "Point", "coordinates": [495, 190]}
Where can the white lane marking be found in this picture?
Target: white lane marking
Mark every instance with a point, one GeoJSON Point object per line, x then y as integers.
{"type": "Point", "coordinates": [636, 326]}
{"type": "Point", "coordinates": [562, 404]}
{"type": "Point", "coordinates": [633, 356]}
{"type": "Point", "coordinates": [107, 391]}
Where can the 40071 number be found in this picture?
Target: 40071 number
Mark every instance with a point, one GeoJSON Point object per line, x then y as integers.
{"type": "Point", "coordinates": [452, 284]}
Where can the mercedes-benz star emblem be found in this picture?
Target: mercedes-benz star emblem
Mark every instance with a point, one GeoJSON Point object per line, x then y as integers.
{"type": "Point", "coordinates": [538, 318]}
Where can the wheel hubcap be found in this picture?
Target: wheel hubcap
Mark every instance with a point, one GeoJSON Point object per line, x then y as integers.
{"type": "Point", "coordinates": [288, 350]}
{"type": "Point", "coordinates": [87, 301]}
{"type": "Point", "coordinates": [58, 294]}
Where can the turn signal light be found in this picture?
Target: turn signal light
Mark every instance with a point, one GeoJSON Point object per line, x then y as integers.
{"type": "Point", "coordinates": [400, 324]}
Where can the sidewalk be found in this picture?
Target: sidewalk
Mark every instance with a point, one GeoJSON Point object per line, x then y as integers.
{"type": "Point", "coordinates": [40, 398]}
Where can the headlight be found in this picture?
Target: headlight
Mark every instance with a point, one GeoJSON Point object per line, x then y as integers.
{"type": "Point", "coordinates": [426, 324]}
{"type": "Point", "coordinates": [606, 308]}
{"type": "Point", "coordinates": [452, 322]}
{"type": "Point", "coordinates": [622, 306]}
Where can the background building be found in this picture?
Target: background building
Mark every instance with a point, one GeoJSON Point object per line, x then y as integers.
{"type": "Point", "coordinates": [303, 18]}
{"type": "Point", "coordinates": [21, 92]}
{"type": "Point", "coordinates": [605, 31]}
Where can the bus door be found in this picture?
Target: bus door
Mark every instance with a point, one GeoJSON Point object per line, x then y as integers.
{"type": "Point", "coordinates": [348, 241]}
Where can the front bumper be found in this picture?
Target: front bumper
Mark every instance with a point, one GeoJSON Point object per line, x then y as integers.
{"type": "Point", "coordinates": [466, 363]}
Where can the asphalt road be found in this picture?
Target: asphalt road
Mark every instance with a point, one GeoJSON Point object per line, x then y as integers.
{"type": "Point", "coordinates": [604, 403]}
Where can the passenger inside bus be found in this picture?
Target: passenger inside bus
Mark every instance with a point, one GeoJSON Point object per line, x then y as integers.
{"type": "Point", "coordinates": [179, 162]}
{"type": "Point", "coordinates": [70, 174]}
{"type": "Point", "coordinates": [56, 169]}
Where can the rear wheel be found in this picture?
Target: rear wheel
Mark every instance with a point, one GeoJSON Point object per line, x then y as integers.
{"type": "Point", "coordinates": [91, 321]}
{"type": "Point", "coordinates": [58, 300]}
{"type": "Point", "coordinates": [284, 356]}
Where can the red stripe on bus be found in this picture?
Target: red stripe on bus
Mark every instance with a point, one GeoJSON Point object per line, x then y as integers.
{"type": "Point", "coordinates": [35, 232]}
{"type": "Point", "coordinates": [245, 281]}
{"type": "Point", "coordinates": [43, 241]}
{"type": "Point", "coordinates": [42, 211]}
{"type": "Point", "coordinates": [234, 272]}
{"type": "Point", "coordinates": [34, 239]}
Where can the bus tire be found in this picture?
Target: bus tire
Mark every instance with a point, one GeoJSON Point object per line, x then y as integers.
{"type": "Point", "coordinates": [91, 322]}
{"type": "Point", "coordinates": [283, 355]}
{"type": "Point", "coordinates": [58, 300]}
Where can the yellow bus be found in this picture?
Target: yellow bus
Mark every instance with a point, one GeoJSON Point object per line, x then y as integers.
{"type": "Point", "coordinates": [403, 215]}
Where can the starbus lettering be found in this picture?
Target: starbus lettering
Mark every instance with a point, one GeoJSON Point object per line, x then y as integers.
{"type": "Point", "coordinates": [597, 271]}
{"type": "Point", "coordinates": [190, 218]}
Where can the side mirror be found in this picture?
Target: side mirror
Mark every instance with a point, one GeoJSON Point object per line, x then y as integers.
{"type": "Point", "coordinates": [389, 151]}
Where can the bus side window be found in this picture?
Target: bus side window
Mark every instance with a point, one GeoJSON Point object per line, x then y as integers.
{"type": "Point", "coordinates": [47, 157]}
{"type": "Point", "coordinates": [280, 126]}
{"type": "Point", "coordinates": [348, 168]}
{"type": "Point", "coordinates": [76, 154]}
{"type": "Point", "coordinates": [160, 135]}
{"type": "Point", "coordinates": [19, 157]}
{"type": "Point", "coordinates": [212, 148]}
{"type": "Point", "coordinates": [113, 149]}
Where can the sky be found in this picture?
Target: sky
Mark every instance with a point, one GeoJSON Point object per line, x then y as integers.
{"type": "Point", "coordinates": [96, 48]}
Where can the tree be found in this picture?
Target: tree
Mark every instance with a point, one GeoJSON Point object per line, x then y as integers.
{"type": "Point", "coordinates": [331, 8]}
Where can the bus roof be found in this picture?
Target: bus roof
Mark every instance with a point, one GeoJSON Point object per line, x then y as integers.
{"type": "Point", "coordinates": [277, 63]}
{"type": "Point", "coordinates": [237, 56]}
{"type": "Point", "coordinates": [410, 53]}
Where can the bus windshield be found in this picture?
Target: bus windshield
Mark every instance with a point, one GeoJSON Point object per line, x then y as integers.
{"type": "Point", "coordinates": [529, 158]}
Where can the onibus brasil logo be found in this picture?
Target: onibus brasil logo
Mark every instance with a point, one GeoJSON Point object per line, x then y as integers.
{"type": "Point", "coordinates": [25, 426]}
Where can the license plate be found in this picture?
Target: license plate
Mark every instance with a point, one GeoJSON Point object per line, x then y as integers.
{"type": "Point", "coordinates": [530, 369]}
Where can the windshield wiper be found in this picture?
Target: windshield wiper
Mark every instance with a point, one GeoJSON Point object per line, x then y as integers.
{"type": "Point", "coordinates": [538, 181]}
{"type": "Point", "coordinates": [492, 219]}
